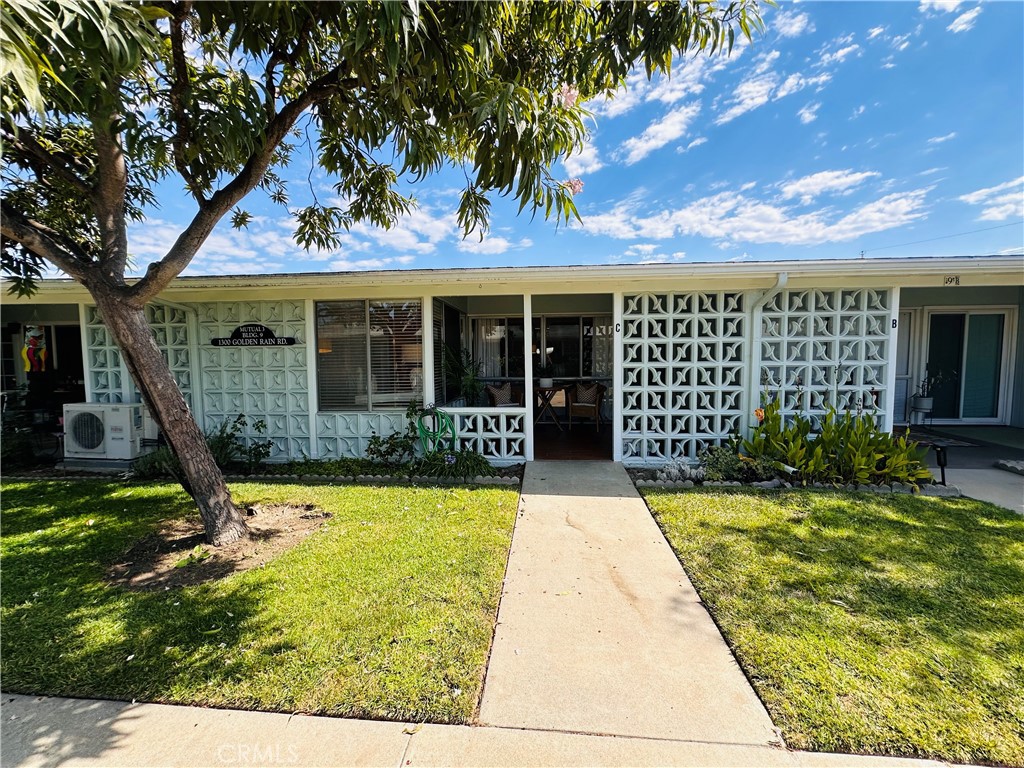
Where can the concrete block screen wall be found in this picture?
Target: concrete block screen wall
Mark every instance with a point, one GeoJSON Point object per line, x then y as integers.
{"type": "Point", "coordinates": [694, 365]}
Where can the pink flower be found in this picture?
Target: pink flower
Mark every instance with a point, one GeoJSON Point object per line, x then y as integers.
{"type": "Point", "coordinates": [575, 186]}
{"type": "Point", "coordinates": [568, 95]}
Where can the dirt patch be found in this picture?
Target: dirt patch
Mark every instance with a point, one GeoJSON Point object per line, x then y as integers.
{"type": "Point", "coordinates": [177, 555]}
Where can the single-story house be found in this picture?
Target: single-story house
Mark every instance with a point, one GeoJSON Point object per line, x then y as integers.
{"type": "Point", "coordinates": [685, 352]}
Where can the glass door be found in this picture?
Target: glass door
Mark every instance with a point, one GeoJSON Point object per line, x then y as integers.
{"type": "Point", "coordinates": [965, 367]}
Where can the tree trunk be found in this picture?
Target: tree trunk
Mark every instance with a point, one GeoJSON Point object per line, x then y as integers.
{"type": "Point", "coordinates": [127, 324]}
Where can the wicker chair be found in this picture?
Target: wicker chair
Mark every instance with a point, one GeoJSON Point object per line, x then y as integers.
{"type": "Point", "coordinates": [586, 400]}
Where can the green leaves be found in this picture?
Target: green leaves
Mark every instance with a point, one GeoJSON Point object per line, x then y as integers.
{"type": "Point", "coordinates": [394, 89]}
{"type": "Point", "coordinates": [840, 448]}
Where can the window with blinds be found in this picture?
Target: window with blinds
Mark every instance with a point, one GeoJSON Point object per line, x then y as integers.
{"type": "Point", "coordinates": [370, 354]}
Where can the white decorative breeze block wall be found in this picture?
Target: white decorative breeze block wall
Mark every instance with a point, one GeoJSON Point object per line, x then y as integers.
{"type": "Point", "coordinates": [346, 434]}
{"type": "Point", "coordinates": [821, 348]}
{"type": "Point", "coordinates": [497, 434]}
{"type": "Point", "coordinates": [108, 378]}
{"type": "Point", "coordinates": [684, 361]}
{"type": "Point", "coordinates": [103, 361]}
{"type": "Point", "coordinates": [268, 383]}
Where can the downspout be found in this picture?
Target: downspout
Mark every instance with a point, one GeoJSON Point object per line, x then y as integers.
{"type": "Point", "coordinates": [754, 341]}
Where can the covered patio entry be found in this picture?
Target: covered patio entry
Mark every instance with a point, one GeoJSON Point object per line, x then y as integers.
{"type": "Point", "coordinates": [549, 358]}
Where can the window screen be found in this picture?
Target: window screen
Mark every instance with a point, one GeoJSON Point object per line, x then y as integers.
{"type": "Point", "coordinates": [370, 354]}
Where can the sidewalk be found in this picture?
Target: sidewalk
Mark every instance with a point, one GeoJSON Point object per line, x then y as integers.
{"type": "Point", "coordinates": [599, 629]}
{"type": "Point", "coordinates": [42, 732]}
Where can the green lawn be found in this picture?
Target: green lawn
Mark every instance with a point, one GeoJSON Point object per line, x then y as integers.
{"type": "Point", "coordinates": [387, 612]}
{"type": "Point", "coordinates": [868, 624]}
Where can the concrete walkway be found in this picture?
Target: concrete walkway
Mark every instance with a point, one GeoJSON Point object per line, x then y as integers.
{"type": "Point", "coordinates": [599, 629]}
{"type": "Point", "coordinates": [971, 470]}
{"type": "Point", "coordinates": [37, 732]}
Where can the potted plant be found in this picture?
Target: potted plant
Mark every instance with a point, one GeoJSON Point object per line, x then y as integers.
{"type": "Point", "coordinates": [924, 398]}
{"type": "Point", "coordinates": [544, 374]}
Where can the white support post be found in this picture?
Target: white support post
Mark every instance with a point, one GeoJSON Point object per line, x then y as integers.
{"type": "Point", "coordinates": [427, 335]}
{"type": "Point", "coordinates": [528, 397]}
{"type": "Point", "coordinates": [86, 357]}
{"type": "Point", "coordinates": [312, 397]}
{"type": "Point", "coordinates": [617, 377]}
{"type": "Point", "coordinates": [890, 357]}
{"type": "Point", "coordinates": [752, 391]}
{"type": "Point", "coordinates": [195, 365]}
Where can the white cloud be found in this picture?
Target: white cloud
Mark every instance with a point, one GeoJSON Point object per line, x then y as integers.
{"type": "Point", "coordinates": [939, 6]}
{"type": "Point", "coordinates": [733, 218]}
{"type": "Point", "coordinates": [750, 94]}
{"type": "Point", "coordinates": [964, 21]}
{"type": "Point", "coordinates": [695, 143]}
{"type": "Point", "coordinates": [626, 98]}
{"type": "Point", "coordinates": [492, 245]}
{"type": "Point", "coordinates": [764, 62]}
{"type": "Point", "coordinates": [641, 249]}
{"type": "Point", "coordinates": [840, 55]}
{"type": "Point", "coordinates": [797, 82]}
{"type": "Point", "coordinates": [858, 112]}
{"type": "Point", "coordinates": [662, 131]}
{"type": "Point", "coordinates": [687, 79]}
{"type": "Point", "coordinates": [1001, 202]}
{"type": "Point", "coordinates": [875, 32]}
{"type": "Point", "coordinates": [662, 258]}
{"type": "Point", "coordinates": [360, 265]}
{"type": "Point", "coordinates": [790, 23]}
{"type": "Point", "coordinates": [810, 187]}
{"type": "Point", "coordinates": [941, 139]}
{"type": "Point", "coordinates": [419, 231]}
{"type": "Point", "coordinates": [809, 112]}
{"type": "Point", "coordinates": [583, 162]}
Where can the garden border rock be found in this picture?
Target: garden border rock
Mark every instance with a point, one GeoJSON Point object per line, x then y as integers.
{"type": "Point", "coordinates": [310, 479]}
{"type": "Point", "coordinates": [1017, 467]}
{"type": "Point", "coordinates": [943, 491]}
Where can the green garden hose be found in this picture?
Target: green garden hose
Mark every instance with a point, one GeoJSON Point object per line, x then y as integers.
{"type": "Point", "coordinates": [442, 435]}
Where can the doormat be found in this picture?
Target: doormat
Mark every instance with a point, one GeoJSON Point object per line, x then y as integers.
{"type": "Point", "coordinates": [942, 441]}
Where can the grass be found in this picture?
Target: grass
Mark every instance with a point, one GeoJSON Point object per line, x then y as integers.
{"type": "Point", "coordinates": [867, 624]}
{"type": "Point", "coordinates": [387, 612]}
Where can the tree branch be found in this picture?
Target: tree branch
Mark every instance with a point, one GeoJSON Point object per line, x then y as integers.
{"type": "Point", "coordinates": [179, 87]}
{"type": "Point", "coordinates": [109, 200]}
{"type": "Point", "coordinates": [47, 244]}
{"type": "Point", "coordinates": [160, 273]}
{"type": "Point", "coordinates": [27, 144]}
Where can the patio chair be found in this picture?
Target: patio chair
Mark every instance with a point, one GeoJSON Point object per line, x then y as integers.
{"type": "Point", "coordinates": [585, 399]}
{"type": "Point", "coordinates": [503, 396]}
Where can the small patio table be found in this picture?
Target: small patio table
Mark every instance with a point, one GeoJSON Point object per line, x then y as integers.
{"type": "Point", "coordinates": [546, 395]}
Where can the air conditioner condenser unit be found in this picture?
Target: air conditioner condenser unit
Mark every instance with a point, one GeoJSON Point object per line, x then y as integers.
{"type": "Point", "coordinates": [109, 431]}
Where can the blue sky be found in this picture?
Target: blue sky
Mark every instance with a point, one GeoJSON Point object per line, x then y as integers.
{"type": "Point", "coordinates": [846, 127]}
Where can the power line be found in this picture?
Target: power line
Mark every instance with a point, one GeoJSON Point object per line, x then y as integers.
{"type": "Point", "coordinates": [942, 237]}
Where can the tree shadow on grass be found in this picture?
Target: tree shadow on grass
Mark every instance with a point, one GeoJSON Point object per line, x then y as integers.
{"type": "Point", "coordinates": [938, 564]}
{"type": "Point", "coordinates": [68, 633]}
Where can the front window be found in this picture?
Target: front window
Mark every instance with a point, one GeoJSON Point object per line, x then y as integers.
{"type": "Point", "coordinates": [370, 354]}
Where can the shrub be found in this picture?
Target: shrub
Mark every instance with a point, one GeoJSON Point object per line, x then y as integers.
{"type": "Point", "coordinates": [397, 448]}
{"type": "Point", "coordinates": [725, 463]}
{"type": "Point", "coordinates": [847, 448]}
{"type": "Point", "coordinates": [464, 464]}
{"type": "Point", "coordinates": [225, 443]}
